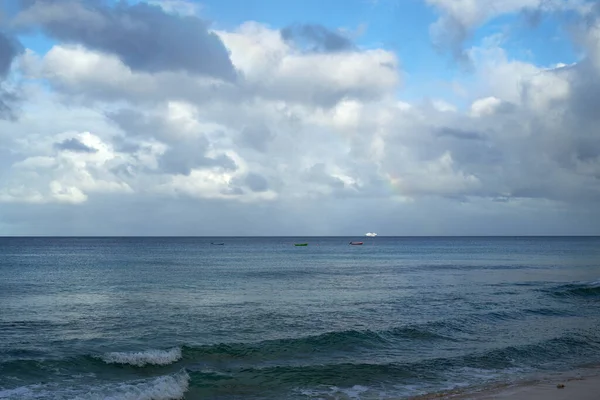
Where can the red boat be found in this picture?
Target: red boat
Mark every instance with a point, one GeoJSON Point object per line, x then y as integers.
{"type": "Point", "coordinates": [356, 243]}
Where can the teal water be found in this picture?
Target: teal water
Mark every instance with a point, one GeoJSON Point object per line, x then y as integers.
{"type": "Point", "coordinates": [258, 318]}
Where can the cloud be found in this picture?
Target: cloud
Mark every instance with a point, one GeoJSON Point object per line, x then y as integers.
{"type": "Point", "coordinates": [188, 142]}
{"type": "Point", "coordinates": [317, 37]}
{"type": "Point", "coordinates": [95, 77]}
{"type": "Point", "coordinates": [181, 7]}
{"type": "Point", "coordinates": [10, 48]}
{"type": "Point", "coordinates": [491, 105]}
{"type": "Point", "coordinates": [184, 157]}
{"type": "Point", "coordinates": [271, 70]}
{"type": "Point", "coordinates": [301, 143]}
{"type": "Point", "coordinates": [256, 182]}
{"type": "Point", "coordinates": [460, 134]}
{"type": "Point", "coordinates": [143, 36]}
{"type": "Point", "coordinates": [274, 70]}
{"type": "Point", "coordinates": [256, 137]}
{"type": "Point", "coordinates": [74, 145]}
{"type": "Point", "coordinates": [43, 176]}
{"type": "Point", "coordinates": [171, 123]}
{"type": "Point", "coordinates": [458, 18]}
{"type": "Point", "coordinates": [7, 104]}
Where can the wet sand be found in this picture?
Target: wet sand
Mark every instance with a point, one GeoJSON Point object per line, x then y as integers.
{"type": "Point", "coordinates": [587, 388]}
{"type": "Point", "coordinates": [577, 385]}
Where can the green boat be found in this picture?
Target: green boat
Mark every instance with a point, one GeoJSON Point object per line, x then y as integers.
{"type": "Point", "coordinates": [300, 244]}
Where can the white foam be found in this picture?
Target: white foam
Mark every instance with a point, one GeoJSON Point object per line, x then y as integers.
{"type": "Point", "coordinates": [19, 393]}
{"type": "Point", "coordinates": [168, 387]}
{"type": "Point", "coordinates": [141, 358]}
{"type": "Point", "coordinates": [353, 392]}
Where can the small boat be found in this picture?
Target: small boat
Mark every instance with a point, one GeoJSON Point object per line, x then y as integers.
{"type": "Point", "coordinates": [356, 243]}
{"type": "Point", "coordinates": [300, 244]}
{"type": "Point", "coordinates": [217, 244]}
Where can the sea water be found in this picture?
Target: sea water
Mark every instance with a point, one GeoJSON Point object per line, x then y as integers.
{"type": "Point", "coordinates": [259, 318]}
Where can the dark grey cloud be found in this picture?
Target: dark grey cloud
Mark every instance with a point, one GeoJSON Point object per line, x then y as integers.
{"type": "Point", "coordinates": [449, 34]}
{"type": "Point", "coordinates": [256, 182]}
{"type": "Point", "coordinates": [8, 102]}
{"type": "Point", "coordinates": [587, 149]}
{"type": "Point", "coordinates": [585, 91]}
{"type": "Point", "coordinates": [256, 137]}
{"type": "Point", "coordinates": [532, 16]}
{"type": "Point", "coordinates": [253, 181]}
{"type": "Point", "coordinates": [10, 48]}
{"type": "Point", "coordinates": [471, 149]}
{"type": "Point", "coordinates": [316, 37]}
{"type": "Point", "coordinates": [318, 174]}
{"type": "Point", "coordinates": [233, 190]}
{"type": "Point", "coordinates": [123, 144]}
{"type": "Point", "coordinates": [575, 143]}
{"type": "Point", "coordinates": [143, 36]}
{"type": "Point", "coordinates": [135, 123]}
{"type": "Point", "coordinates": [460, 134]}
{"type": "Point", "coordinates": [184, 156]}
{"type": "Point", "coordinates": [74, 145]}
{"type": "Point", "coordinates": [131, 121]}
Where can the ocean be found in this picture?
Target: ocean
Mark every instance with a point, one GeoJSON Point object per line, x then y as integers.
{"type": "Point", "coordinates": [259, 318]}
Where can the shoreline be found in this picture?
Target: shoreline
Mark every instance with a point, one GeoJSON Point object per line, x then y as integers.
{"type": "Point", "coordinates": [579, 384]}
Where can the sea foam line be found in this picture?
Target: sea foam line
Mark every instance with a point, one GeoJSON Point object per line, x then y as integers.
{"type": "Point", "coordinates": [142, 358]}
{"type": "Point", "coordinates": [167, 387]}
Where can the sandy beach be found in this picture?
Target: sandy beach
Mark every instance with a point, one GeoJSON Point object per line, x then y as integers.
{"type": "Point", "coordinates": [573, 389]}
{"type": "Point", "coordinates": [573, 386]}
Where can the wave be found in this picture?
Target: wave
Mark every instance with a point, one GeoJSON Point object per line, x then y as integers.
{"type": "Point", "coordinates": [143, 358]}
{"type": "Point", "coordinates": [327, 342]}
{"type": "Point", "coordinates": [489, 365]}
{"type": "Point", "coordinates": [581, 289]}
{"type": "Point", "coordinates": [266, 367]}
{"type": "Point", "coordinates": [167, 387]}
{"type": "Point", "coordinates": [347, 342]}
{"type": "Point", "coordinates": [430, 350]}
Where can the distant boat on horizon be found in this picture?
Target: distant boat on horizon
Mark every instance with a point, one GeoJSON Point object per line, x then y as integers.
{"type": "Point", "coordinates": [300, 244]}
{"type": "Point", "coordinates": [356, 243]}
{"type": "Point", "coordinates": [217, 244]}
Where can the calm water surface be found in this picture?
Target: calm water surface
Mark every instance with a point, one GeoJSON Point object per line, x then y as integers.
{"type": "Point", "coordinates": [258, 318]}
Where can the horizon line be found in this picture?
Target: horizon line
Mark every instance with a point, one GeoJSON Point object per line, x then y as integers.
{"type": "Point", "coordinates": [295, 236]}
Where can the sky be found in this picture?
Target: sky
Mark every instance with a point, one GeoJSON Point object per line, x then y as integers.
{"type": "Point", "coordinates": [299, 117]}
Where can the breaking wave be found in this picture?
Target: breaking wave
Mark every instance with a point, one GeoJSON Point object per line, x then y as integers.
{"type": "Point", "coordinates": [143, 358]}
{"type": "Point", "coordinates": [168, 387]}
